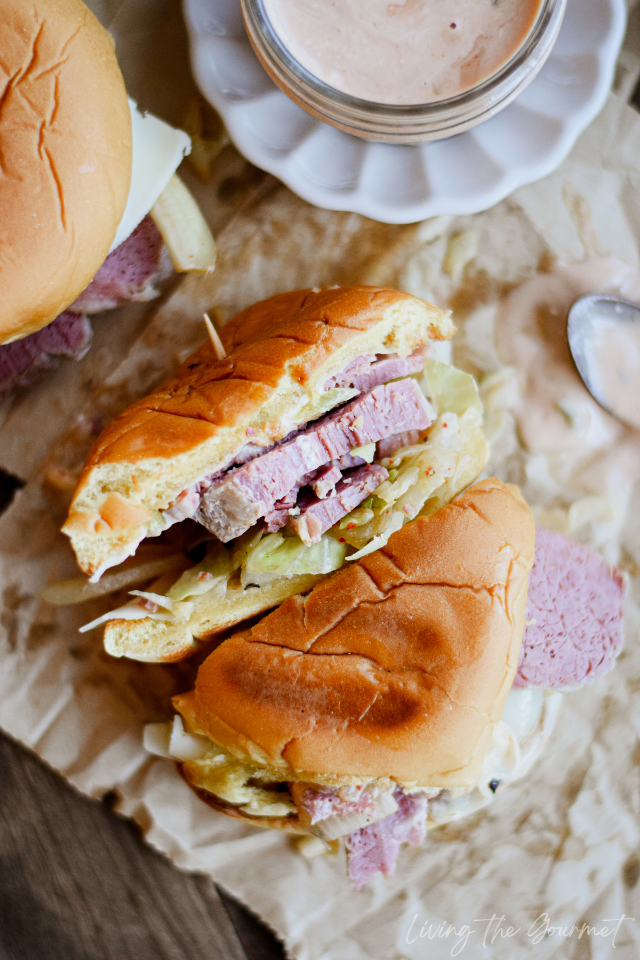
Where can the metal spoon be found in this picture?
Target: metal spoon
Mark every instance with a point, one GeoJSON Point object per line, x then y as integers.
{"type": "Point", "coordinates": [614, 382]}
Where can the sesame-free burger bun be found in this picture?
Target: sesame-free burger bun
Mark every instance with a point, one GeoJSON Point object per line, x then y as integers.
{"type": "Point", "coordinates": [280, 353]}
{"type": "Point", "coordinates": [65, 136]}
{"type": "Point", "coordinates": [397, 666]}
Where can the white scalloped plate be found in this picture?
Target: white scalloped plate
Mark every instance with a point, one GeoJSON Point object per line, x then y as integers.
{"type": "Point", "coordinates": [402, 184]}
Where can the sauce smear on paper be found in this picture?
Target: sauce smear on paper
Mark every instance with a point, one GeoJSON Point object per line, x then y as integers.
{"type": "Point", "coordinates": [557, 416]}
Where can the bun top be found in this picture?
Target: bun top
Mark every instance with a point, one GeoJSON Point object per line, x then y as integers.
{"type": "Point", "coordinates": [281, 352]}
{"type": "Point", "coordinates": [65, 131]}
{"type": "Point", "coordinates": [398, 666]}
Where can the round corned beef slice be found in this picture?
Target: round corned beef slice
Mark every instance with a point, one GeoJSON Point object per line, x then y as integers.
{"type": "Point", "coordinates": [573, 626]}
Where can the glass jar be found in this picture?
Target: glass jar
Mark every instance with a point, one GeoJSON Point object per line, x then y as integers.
{"type": "Point", "coordinates": [412, 123]}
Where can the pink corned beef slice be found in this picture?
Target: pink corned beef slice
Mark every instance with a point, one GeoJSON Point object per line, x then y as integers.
{"type": "Point", "coordinates": [365, 373]}
{"type": "Point", "coordinates": [387, 447]}
{"type": "Point", "coordinates": [375, 848]}
{"type": "Point", "coordinates": [322, 804]}
{"type": "Point", "coordinates": [574, 615]}
{"type": "Point", "coordinates": [325, 483]}
{"type": "Point", "coordinates": [131, 272]}
{"type": "Point", "coordinates": [325, 480]}
{"type": "Point", "coordinates": [317, 516]}
{"type": "Point", "coordinates": [236, 500]}
{"type": "Point", "coordinates": [25, 361]}
{"type": "Point", "coordinates": [278, 517]}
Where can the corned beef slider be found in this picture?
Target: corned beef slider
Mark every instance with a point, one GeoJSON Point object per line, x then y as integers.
{"type": "Point", "coordinates": [318, 468]}
{"type": "Point", "coordinates": [325, 428]}
{"type": "Point", "coordinates": [81, 171]}
{"type": "Point", "coordinates": [399, 694]}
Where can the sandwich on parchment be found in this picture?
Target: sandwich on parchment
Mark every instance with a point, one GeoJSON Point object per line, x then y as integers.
{"type": "Point", "coordinates": [399, 694]}
{"type": "Point", "coordinates": [406, 672]}
{"type": "Point", "coordinates": [324, 429]}
{"type": "Point", "coordinates": [93, 215]}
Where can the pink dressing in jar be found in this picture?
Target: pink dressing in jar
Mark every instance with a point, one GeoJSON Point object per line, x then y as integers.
{"type": "Point", "coordinates": [411, 52]}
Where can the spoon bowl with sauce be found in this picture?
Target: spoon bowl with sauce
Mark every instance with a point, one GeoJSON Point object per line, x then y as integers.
{"type": "Point", "coordinates": [604, 339]}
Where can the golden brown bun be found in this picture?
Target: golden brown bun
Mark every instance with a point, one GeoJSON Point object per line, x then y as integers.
{"type": "Point", "coordinates": [159, 641]}
{"type": "Point", "coordinates": [65, 130]}
{"type": "Point", "coordinates": [281, 353]}
{"type": "Point", "coordinates": [397, 666]}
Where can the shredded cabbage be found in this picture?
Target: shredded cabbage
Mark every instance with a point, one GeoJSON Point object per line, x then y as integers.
{"type": "Point", "coordinates": [391, 491]}
{"type": "Point", "coordinates": [179, 609]}
{"type": "Point", "coordinates": [211, 574]}
{"type": "Point", "coordinates": [367, 452]}
{"type": "Point", "coordinates": [130, 611]}
{"type": "Point", "coordinates": [278, 556]}
{"type": "Point", "coordinates": [79, 589]}
{"type": "Point", "coordinates": [361, 515]}
{"type": "Point", "coordinates": [426, 474]}
{"type": "Point", "coordinates": [244, 545]}
{"type": "Point", "coordinates": [396, 522]}
{"type": "Point", "coordinates": [450, 389]}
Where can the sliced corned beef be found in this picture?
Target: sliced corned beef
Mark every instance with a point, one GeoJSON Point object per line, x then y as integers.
{"type": "Point", "coordinates": [375, 848]}
{"type": "Point", "coordinates": [317, 516]}
{"type": "Point", "coordinates": [279, 515]}
{"type": "Point", "coordinates": [239, 498]}
{"type": "Point", "coordinates": [347, 460]}
{"type": "Point", "coordinates": [355, 368]}
{"type": "Point", "coordinates": [573, 618]}
{"type": "Point", "coordinates": [322, 804]}
{"type": "Point", "coordinates": [184, 506]}
{"type": "Point", "coordinates": [337, 813]}
{"type": "Point", "coordinates": [24, 362]}
{"type": "Point", "coordinates": [365, 373]}
{"type": "Point", "coordinates": [323, 483]}
{"type": "Point", "coordinates": [131, 272]}
{"type": "Point", "coordinates": [325, 480]}
{"type": "Point", "coordinates": [387, 447]}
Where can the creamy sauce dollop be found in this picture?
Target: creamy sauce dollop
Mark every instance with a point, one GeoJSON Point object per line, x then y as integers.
{"type": "Point", "coordinates": [416, 51]}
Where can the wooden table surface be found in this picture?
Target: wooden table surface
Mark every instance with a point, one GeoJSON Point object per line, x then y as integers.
{"type": "Point", "coordinates": [78, 883]}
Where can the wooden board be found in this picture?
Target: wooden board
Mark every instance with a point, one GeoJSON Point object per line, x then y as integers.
{"type": "Point", "coordinates": [77, 882]}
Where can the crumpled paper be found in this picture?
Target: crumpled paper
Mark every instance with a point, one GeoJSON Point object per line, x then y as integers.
{"type": "Point", "coordinates": [556, 850]}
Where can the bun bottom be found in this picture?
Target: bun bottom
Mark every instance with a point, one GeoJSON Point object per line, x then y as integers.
{"type": "Point", "coordinates": [531, 747]}
{"type": "Point", "coordinates": [290, 824]}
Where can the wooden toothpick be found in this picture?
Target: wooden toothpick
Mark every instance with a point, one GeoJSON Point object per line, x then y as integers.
{"type": "Point", "coordinates": [216, 342]}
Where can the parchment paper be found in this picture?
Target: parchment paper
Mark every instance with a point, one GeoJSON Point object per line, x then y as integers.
{"type": "Point", "coordinates": [564, 841]}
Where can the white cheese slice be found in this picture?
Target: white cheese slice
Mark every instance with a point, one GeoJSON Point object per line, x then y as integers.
{"type": "Point", "coordinates": [158, 150]}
